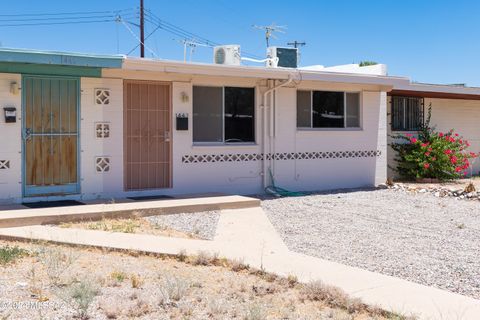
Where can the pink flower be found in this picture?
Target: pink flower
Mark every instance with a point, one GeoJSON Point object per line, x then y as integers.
{"type": "Point", "coordinates": [413, 140]}
{"type": "Point", "coordinates": [427, 153]}
{"type": "Point", "coordinates": [456, 134]}
{"type": "Point", "coordinates": [440, 134]}
{"type": "Point", "coordinates": [424, 144]}
{"type": "Point", "coordinates": [448, 151]}
{"type": "Point", "coordinates": [426, 165]}
{"type": "Point", "coordinates": [408, 134]}
{"type": "Point", "coordinates": [464, 173]}
{"type": "Point", "coordinates": [430, 149]}
{"type": "Point", "coordinates": [453, 159]}
{"type": "Point", "coordinates": [458, 169]}
{"type": "Point", "coordinates": [433, 158]}
{"type": "Point", "coordinates": [472, 154]}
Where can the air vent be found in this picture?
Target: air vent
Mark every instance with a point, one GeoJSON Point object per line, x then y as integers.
{"type": "Point", "coordinates": [287, 57]}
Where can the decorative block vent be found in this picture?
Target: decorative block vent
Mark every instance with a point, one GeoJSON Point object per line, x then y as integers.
{"type": "Point", "coordinates": [208, 158]}
{"type": "Point", "coordinates": [102, 130]}
{"type": "Point", "coordinates": [4, 164]}
{"type": "Point", "coordinates": [102, 164]}
{"type": "Point", "coordinates": [102, 96]}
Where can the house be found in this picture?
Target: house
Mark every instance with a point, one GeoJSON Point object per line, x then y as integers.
{"type": "Point", "coordinates": [89, 126]}
{"type": "Point", "coordinates": [452, 107]}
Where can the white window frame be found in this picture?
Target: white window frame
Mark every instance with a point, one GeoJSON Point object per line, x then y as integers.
{"type": "Point", "coordinates": [223, 143]}
{"type": "Point", "coordinates": [345, 128]}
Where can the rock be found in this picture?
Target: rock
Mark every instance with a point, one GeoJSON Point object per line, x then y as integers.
{"type": "Point", "coordinates": [437, 194]}
{"type": "Point", "coordinates": [422, 190]}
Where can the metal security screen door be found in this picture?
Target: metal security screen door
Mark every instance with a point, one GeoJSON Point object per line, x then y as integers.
{"type": "Point", "coordinates": [147, 106]}
{"type": "Point", "coordinates": [50, 135]}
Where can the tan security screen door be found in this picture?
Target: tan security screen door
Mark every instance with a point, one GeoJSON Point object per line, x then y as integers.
{"type": "Point", "coordinates": [147, 127]}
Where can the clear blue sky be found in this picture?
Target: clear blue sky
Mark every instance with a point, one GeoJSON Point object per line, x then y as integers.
{"type": "Point", "coordinates": [433, 41]}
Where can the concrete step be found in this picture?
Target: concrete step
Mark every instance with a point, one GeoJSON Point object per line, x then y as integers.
{"type": "Point", "coordinates": [27, 217]}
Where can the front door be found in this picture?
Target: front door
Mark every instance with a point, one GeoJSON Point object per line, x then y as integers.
{"type": "Point", "coordinates": [50, 135]}
{"type": "Point", "coordinates": [146, 106]}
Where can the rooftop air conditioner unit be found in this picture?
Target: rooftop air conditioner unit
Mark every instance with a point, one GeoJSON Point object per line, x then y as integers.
{"type": "Point", "coordinates": [228, 55]}
{"type": "Point", "coordinates": [287, 57]}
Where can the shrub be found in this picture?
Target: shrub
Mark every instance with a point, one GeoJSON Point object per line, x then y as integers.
{"type": "Point", "coordinates": [80, 296]}
{"type": "Point", "coordinates": [432, 154]}
{"type": "Point", "coordinates": [9, 254]}
{"type": "Point", "coordinates": [56, 262]}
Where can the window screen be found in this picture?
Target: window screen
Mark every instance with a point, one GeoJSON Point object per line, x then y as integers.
{"type": "Point", "coordinates": [239, 114]}
{"type": "Point", "coordinates": [353, 110]}
{"type": "Point", "coordinates": [207, 114]}
{"type": "Point", "coordinates": [304, 109]}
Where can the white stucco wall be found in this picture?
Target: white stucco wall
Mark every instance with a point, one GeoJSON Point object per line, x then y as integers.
{"type": "Point", "coordinates": [239, 177]}
{"type": "Point", "coordinates": [11, 147]}
{"type": "Point", "coordinates": [461, 115]}
{"type": "Point", "coordinates": [107, 184]}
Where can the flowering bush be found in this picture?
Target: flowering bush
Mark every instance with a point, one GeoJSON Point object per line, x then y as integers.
{"type": "Point", "coordinates": [431, 154]}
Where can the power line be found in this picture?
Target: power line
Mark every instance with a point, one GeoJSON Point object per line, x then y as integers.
{"type": "Point", "coordinates": [65, 13]}
{"type": "Point", "coordinates": [55, 23]}
{"type": "Point", "coordinates": [180, 32]}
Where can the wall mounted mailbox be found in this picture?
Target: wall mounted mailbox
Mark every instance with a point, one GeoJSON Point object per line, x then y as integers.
{"type": "Point", "coordinates": [182, 121]}
{"type": "Point", "coordinates": [10, 114]}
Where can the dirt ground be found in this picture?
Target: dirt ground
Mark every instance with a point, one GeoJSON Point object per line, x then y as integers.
{"type": "Point", "coordinates": [44, 281]}
{"type": "Point", "coordinates": [134, 225]}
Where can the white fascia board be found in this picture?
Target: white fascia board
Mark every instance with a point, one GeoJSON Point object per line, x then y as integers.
{"type": "Point", "coordinates": [437, 88]}
{"type": "Point", "coordinates": [256, 72]}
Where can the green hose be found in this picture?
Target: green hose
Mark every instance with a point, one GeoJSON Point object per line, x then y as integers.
{"type": "Point", "coordinates": [280, 192]}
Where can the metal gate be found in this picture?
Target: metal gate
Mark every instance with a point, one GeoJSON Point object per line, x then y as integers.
{"type": "Point", "coordinates": [50, 135]}
{"type": "Point", "coordinates": [147, 107]}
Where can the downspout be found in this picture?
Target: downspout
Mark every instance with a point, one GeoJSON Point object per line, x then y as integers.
{"type": "Point", "coordinates": [264, 107]}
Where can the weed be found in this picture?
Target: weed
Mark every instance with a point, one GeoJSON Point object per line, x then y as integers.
{"type": "Point", "coordinates": [9, 254]}
{"type": "Point", "coordinates": [334, 296]}
{"type": "Point", "coordinates": [79, 296]}
{"type": "Point", "coordinates": [173, 289]}
{"type": "Point", "coordinates": [118, 276]}
{"type": "Point", "coordinates": [238, 265]}
{"type": "Point", "coordinates": [136, 281]}
{"type": "Point", "coordinates": [461, 226]}
{"type": "Point", "coordinates": [255, 312]}
{"type": "Point", "coordinates": [182, 255]}
{"type": "Point", "coordinates": [203, 258]}
{"type": "Point", "coordinates": [292, 280]}
{"type": "Point", "coordinates": [216, 307]}
{"type": "Point", "coordinates": [56, 262]}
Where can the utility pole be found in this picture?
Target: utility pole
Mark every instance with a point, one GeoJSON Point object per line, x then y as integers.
{"type": "Point", "coordinates": [296, 44]}
{"type": "Point", "coordinates": [142, 31]}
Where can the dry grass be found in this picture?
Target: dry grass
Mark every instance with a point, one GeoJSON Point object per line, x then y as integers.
{"type": "Point", "coordinates": [203, 286]}
{"type": "Point", "coordinates": [136, 225]}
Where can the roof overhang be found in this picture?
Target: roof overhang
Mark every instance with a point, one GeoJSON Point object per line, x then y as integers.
{"type": "Point", "coordinates": [164, 66]}
{"type": "Point", "coordinates": [436, 91]}
{"type": "Point", "coordinates": [56, 63]}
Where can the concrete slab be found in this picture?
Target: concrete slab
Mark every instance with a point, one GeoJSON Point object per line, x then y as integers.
{"type": "Point", "coordinates": [26, 217]}
{"type": "Point", "coordinates": [248, 235]}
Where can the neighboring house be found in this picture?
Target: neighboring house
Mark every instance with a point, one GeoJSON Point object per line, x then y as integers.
{"type": "Point", "coordinates": [108, 126]}
{"type": "Point", "coordinates": [453, 107]}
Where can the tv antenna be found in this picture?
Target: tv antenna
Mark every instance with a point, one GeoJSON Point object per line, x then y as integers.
{"type": "Point", "coordinates": [192, 45]}
{"type": "Point", "coordinates": [270, 31]}
{"type": "Point", "coordinates": [297, 44]}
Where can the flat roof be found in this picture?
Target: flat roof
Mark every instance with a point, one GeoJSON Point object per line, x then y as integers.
{"type": "Point", "coordinates": [260, 72]}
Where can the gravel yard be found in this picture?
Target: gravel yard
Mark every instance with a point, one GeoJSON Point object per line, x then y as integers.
{"type": "Point", "coordinates": [202, 224]}
{"type": "Point", "coordinates": [415, 236]}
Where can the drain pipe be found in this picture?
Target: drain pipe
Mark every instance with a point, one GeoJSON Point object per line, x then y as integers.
{"type": "Point", "coordinates": [264, 108]}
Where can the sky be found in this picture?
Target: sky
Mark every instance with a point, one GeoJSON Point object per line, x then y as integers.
{"type": "Point", "coordinates": [433, 41]}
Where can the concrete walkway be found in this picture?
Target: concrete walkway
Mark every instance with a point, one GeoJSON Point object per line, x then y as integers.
{"type": "Point", "coordinates": [248, 234]}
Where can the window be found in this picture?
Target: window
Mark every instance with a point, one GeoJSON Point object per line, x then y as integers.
{"type": "Point", "coordinates": [327, 109]}
{"type": "Point", "coordinates": [407, 113]}
{"type": "Point", "coordinates": [223, 114]}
